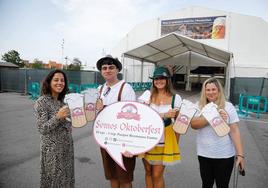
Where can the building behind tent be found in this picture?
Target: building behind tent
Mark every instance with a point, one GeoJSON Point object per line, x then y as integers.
{"type": "Point", "coordinates": [244, 36]}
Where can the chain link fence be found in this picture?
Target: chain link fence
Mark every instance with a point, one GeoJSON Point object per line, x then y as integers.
{"type": "Point", "coordinates": [18, 80]}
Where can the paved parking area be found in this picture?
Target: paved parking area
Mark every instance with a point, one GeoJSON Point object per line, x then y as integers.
{"type": "Point", "coordinates": [19, 152]}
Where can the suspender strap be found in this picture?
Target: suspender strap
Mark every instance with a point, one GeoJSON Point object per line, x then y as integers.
{"type": "Point", "coordinates": [120, 92]}
{"type": "Point", "coordinates": [173, 101]}
{"type": "Point", "coordinates": [101, 89]}
{"type": "Point", "coordinates": [168, 121]}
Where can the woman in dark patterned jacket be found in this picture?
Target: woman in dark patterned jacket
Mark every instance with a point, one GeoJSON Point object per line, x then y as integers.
{"type": "Point", "coordinates": [57, 153]}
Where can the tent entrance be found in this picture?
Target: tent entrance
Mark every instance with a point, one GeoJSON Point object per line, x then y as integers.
{"type": "Point", "coordinates": [187, 55]}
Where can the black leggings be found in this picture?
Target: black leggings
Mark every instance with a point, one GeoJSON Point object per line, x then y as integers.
{"type": "Point", "coordinates": [218, 170]}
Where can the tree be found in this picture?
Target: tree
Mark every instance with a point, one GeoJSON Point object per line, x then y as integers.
{"type": "Point", "coordinates": [13, 57]}
{"type": "Point", "coordinates": [37, 64]}
{"type": "Point", "coordinates": [75, 65]}
{"type": "Point", "coordinates": [77, 61]}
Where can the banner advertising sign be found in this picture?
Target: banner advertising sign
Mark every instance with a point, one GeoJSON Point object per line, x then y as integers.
{"type": "Point", "coordinates": [127, 126]}
{"type": "Point", "coordinates": [196, 28]}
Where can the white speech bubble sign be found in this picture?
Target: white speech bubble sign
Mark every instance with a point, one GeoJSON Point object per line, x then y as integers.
{"type": "Point", "coordinates": [127, 126]}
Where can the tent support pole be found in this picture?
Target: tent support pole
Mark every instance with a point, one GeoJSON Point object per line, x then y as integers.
{"type": "Point", "coordinates": [188, 69]}
{"type": "Point", "coordinates": [142, 63]}
{"type": "Point", "coordinates": [227, 85]}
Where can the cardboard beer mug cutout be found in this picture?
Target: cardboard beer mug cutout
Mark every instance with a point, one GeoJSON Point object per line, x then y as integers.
{"type": "Point", "coordinates": [212, 115]}
{"type": "Point", "coordinates": [187, 112]}
{"type": "Point", "coordinates": [75, 103]}
{"type": "Point", "coordinates": [90, 98]}
{"type": "Point", "coordinates": [127, 127]}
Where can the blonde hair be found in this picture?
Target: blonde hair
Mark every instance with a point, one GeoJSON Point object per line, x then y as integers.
{"type": "Point", "coordinates": [154, 90]}
{"type": "Point", "coordinates": [221, 97]}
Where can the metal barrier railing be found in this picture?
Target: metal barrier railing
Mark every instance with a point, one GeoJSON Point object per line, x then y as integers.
{"type": "Point", "coordinates": [254, 104]}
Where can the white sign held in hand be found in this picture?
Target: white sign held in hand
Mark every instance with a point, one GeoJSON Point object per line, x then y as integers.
{"type": "Point", "coordinates": [213, 117]}
{"type": "Point", "coordinates": [91, 96]}
{"type": "Point", "coordinates": [127, 126]}
{"type": "Point", "coordinates": [187, 111]}
{"type": "Point", "coordinates": [75, 103]}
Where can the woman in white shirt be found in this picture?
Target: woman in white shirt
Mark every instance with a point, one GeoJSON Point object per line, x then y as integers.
{"type": "Point", "coordinates": [167, 151]}
{"type": "Point", "coordinates": [216, 154]}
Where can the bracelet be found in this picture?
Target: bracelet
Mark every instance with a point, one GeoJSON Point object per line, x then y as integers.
{"type": "Point", "coordinates": [240, 156]}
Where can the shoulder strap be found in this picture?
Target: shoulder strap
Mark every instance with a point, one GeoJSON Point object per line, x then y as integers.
{"type": "Point", "coordinates": [101, 89]}
{"type": "Point", "coordinates": [173, 101]}
{"type": "Point", "coordinates": [120, 92]}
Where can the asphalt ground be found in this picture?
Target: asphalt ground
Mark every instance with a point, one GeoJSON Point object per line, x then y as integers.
{"type": "Point", "coordinates": [19, 152]}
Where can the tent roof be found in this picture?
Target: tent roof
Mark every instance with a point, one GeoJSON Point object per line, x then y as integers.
{"type": "Point", "coordinates": [175, 46]}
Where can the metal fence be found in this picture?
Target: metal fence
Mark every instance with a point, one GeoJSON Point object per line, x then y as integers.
{"type": "Point", "coordinates": [17, 80]}
{"type": "Point", "coordinates": [248, 86]}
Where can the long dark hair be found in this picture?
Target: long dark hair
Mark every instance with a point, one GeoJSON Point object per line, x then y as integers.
{"type": "Point", "coordinates": [46, 89]}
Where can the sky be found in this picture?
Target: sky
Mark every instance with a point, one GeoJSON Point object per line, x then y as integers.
{"type": "Point", "coordinates": [87, 29]}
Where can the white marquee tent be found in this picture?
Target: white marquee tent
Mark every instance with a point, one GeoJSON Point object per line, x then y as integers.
{"type": "Point", "coordinates": [180, 50]}
{"type": "Point", "coordinates": [242, 51]}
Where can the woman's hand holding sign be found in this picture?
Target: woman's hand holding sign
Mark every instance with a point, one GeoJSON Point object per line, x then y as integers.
{"type": "Point", "coordinates": [224, 115]}
{"type": "Point", "coordinates": [63, 112]}
{"type": "Point", "coordinates": [170, 114]}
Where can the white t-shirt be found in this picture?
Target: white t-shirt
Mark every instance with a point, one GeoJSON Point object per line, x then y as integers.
{"type": "Point", "coordinates": [162, 108]}
{"type": "Point", "coordinates": [210, 145]}
{"type": "Point", "coordinates": [127, 94]}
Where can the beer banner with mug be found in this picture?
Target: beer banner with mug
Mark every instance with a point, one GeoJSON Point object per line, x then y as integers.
{"type": "Point", "coordinates": [212, 27]}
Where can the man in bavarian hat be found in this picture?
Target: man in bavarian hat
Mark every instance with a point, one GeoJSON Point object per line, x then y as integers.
{"type": "Point", "coordinates": [114, 90]}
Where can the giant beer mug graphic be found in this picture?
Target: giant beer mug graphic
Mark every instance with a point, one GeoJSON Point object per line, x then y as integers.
{"type": "Point", "coordinates": [212, 115]}
{"type": "Point", "coordinates": [75, 103]}
{"type": "Point", "coordinates": [218, 28]}
{"type": "Point", "coordinates": [127, 126]}
{"type": "Point", "coordinates": [187, 112]}
{"type": "Point", "coordinates": [91, 96]}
